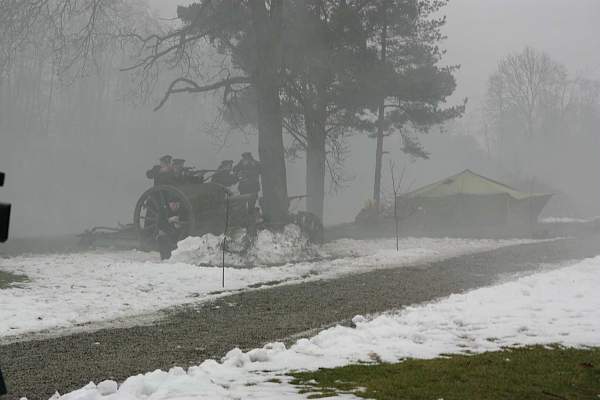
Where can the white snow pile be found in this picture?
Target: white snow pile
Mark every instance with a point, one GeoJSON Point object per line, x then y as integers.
{"type": "Point", "coordinates": [269, 248]}
{"type": "Point", "coordinates": [561, 306]}
{"type": "Point", "coordinates": [67, 292]}
{"type": "Point", "coordinates": [567, 220]}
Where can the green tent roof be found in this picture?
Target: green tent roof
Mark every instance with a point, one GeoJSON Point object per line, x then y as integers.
{"type": "Point", "coordinates": [468, 182]}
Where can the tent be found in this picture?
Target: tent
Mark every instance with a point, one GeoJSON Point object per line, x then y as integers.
{"type": "Point", "coordinates": [468, 200]}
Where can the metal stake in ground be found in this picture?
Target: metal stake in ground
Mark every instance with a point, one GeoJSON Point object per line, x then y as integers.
{"type": "Point", "coordinates": [225, 234]}
{"type": "Point", "coordinates": [395, 190]}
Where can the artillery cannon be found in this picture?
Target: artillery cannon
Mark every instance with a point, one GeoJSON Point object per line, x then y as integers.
{"type": "Point", "coordinates": [199, 208]}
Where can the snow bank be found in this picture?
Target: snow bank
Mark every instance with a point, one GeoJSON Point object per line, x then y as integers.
{"type": "Point", "coordinates": [71, 291]}
{"type": "Point", "coordinates": [567, 220]}
{"type": "Point", "coordinates": [270, 248]}
{"type": "Point", "coordinates": [561, 306]}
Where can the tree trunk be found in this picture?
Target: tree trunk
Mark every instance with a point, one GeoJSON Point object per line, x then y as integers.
{"type": "Point", "coordinates": [380, 117]}
{"type": "Point", "coordinates": [315, 163]}
{"type": "Point", "coordinates": [378, 159]}
{"type": "Point", "coordinates": [271, 153]}
{"type": "Point", "coordinates": [267, 26]}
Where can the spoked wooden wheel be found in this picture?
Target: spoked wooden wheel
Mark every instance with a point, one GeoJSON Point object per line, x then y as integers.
{"type": "Point", "coordinates": [154, 214]}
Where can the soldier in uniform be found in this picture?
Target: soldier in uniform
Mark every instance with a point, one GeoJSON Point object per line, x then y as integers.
{"type": "Point", "coordinates": [224, 175]}
{"type": "Point", "coordinates": [179, 170]}
{"type": "Point", "coordinates": [248, 173]}
{"type": "Point", "coordinates": [162, 174]}
{"type": "Point", "coordinates": [170, 228]}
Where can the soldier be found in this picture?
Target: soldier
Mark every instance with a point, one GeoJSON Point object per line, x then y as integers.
{"type": "Point", "coordinates": [248, 172]}
{"type": "Point", "coordinates": [223, 175]}
{"type": "Point", "coordinates": [162, 173]}
{"type": "Point", "coordinates": [179, 169]}
{"type": "Point", "coordinates": [171, 228]}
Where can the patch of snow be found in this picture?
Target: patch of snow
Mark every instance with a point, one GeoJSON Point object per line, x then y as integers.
{"type": "Point", "coordinates": [270, 248]}
{"type": "Point", "coordinates": [556, 307]}
{"type": "Point", "coordinates": [567, 220]}
{"type": "Point", "coordinates": [107, 387]}
{"type": "Point", "coordinates": [81, 290]}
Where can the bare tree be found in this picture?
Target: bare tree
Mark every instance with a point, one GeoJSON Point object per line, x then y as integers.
{"type": "Point", "coordinates": [523, 84]}
{"type": "Point", "coordinates": [73, 33]}
{"type": "Point", "coordinates": [537, 114]}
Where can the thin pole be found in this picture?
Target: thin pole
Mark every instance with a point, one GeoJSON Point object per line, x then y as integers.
{"type": "Point", "coordinates": [395, 202]}
{"type": "Point", "coordinates": [531, 222]}
{"type": "Point", "coordinates": [225, 234]}
{"type": "Point", "coordinates": [396, 217]}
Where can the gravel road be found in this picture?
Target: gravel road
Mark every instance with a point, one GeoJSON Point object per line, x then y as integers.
{"type": "Point", "coordinates": [37, 369]}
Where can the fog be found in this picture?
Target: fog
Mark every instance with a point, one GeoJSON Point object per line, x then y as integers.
{"type": "Point", "coordinates": [75, 154]}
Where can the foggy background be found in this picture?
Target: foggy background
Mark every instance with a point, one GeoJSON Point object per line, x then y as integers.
{"type": "Point", "coordinates": [75, 154]}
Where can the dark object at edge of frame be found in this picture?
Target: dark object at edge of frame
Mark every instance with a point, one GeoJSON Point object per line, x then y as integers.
{"type": "Point", "coordinates": [3, 390]}
{"type": "Point", "coordinates": [4, 218]}
{"type": "Point", "coordinates": [4, 215]}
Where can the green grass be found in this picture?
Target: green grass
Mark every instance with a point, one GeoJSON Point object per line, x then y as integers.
{"type": "Point", "coordinates": [6, 279]}
{"type": "Point", "coordinates": [534, 373]}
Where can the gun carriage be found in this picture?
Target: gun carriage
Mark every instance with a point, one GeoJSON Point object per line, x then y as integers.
{"type": "Point", "coordinates": [201, 207]}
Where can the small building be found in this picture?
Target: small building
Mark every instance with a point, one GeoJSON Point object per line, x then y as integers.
{"type": "Point", "coordinates": [468, 201]}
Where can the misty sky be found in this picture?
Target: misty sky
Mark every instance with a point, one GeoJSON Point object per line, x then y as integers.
{"type": "Point", "coordinates": [480, 33]}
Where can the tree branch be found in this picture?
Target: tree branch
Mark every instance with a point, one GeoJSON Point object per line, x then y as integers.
{"type": "Point", "coordinates": [193, 87]}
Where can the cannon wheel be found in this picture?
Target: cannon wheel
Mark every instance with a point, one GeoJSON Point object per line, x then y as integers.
{"type": "Point", "coordinates": [311, 225]}
{"type": "Point", "coordinates": [152, 206]}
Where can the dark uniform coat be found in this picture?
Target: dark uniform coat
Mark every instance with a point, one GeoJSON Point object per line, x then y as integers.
{"type": "Point", "coordinates": [160, 177]}
{"type": "Point", "coordinates": [248, 172]}
{"type": "Point", "coordinates": [171, 229]}
{"type": "Point", "coordinates": [224, 177]}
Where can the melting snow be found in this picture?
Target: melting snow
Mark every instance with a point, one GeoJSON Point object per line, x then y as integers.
{"type": "Point", "coordinates": [71, 290]}
{"type": "Point", "coordinates": [561, 306]}
{"type": "Point", "coordinates": [567, 220]}
{"type": "Point", "coordinates": [270, 248]}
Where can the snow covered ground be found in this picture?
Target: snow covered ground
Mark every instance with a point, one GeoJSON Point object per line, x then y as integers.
{"type": "Point", "coordinates": [68, 292]}
{"type": "Point", "coordinates": [567, 220]}
{"type": "Point", "coordinates": [560, 306]}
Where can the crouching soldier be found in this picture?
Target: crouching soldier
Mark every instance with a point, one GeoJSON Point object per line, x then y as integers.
{"type": "Point", "coordinates": [170, 228]}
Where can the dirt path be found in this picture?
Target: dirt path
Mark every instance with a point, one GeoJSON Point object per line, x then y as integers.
{"type": "Point", "coordinates": [37, 369]}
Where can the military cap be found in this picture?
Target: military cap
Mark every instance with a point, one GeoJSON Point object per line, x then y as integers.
{"type": "Point", "coordinates": [166, 158]}
{"type": "Point", "coordinates": [246, 154]}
